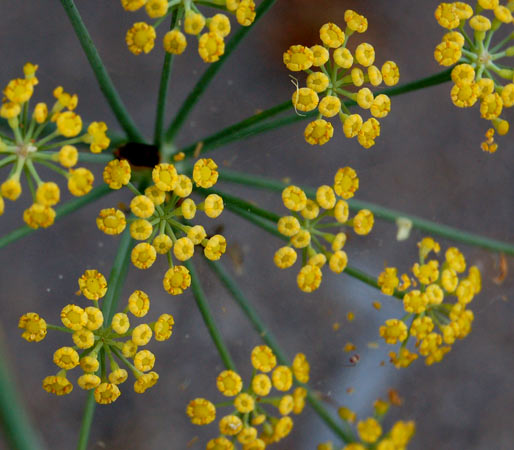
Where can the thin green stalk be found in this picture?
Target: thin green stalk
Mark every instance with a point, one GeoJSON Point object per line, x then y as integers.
{"type": "Point", "coordinates": [217, 139]}
{"type": "Point", "coordinates": [61, 211]}
{"type": "Point", "coordinates": [205, 311]}
{"type": "Point", "coordinates": [87, 420]}
{"type": "Point", "coordinates": [117, 277]}
{"type": "Point", "coordinates": [379, 212]}
{"type": "Point", "coordinates": [163, 88]}
{"type": "Point", "coordinates": [209, 74]}
{"type": "Point", "coordinates": [18, 431]}
{"type": "Point", "coordinates": [103, 78]}
{"type": "Point", "coordinates": [248, 310]}
{"type": "Point", "coordinates": [244, 129]}
{"type": "Point", "coordinates": [96, 158]}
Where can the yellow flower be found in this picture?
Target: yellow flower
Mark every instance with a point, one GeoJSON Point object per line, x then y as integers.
{"type": "Point", "coordinates": [464, 95]}
{"type": "Point", "coordinates": [183, 249]}
{"type": "Point", "coordinates": [69, 124]}
{"type": "Point", "coordinates": [201, 411]}
{"type": "Point", "coordinates": [111, 221]}
{"type": "Point", "coordinates": [156, 8]}
{"type": "Point", "coordinates": [355, 22]}
{"type": "Point", "coordinates": [211, 46]}
{"type": "Point", "coordinates": [88, 381]}
{"type": "Point", "coordinates": [388, 280]}
{"type": "Point", "coordinates": [163, 328]}
{"type": "Point", "coordinates": [143, 255]}
{"type": "Point", "coordinates": [145, 382]}
{"type": "Point", "coordinates": [194, 23]}
{"type": "Point", "coordinates": [95, 318]}
{"type": "Point", "coordinates": [106, 393]}
{"type": "Point", "coordinates": [219, 23]}
{"type": "Point", "coordinates": [93, 284]}
{"type": "Point", "coordinates": [305, 99]}
{"type": "Point", "coordinates": [369, 430]}
{"type": "Point", "coordinates": [155, 194]}
{"type": "Point", "coordinates": [213, 206]}
{"type": "Point", "coordinates": [318, 132]}
{"type": "Point", "coordinates": [415, 302]}
{"type": "Point", "coordinates": [68, 156]}
{"type": "Point", "coordinates": [176, 280]}
{"type": "Point", "coordinates": [144, 360]}
{"type": "Point", "coordinates": [301, 239]}
{"type": "Point", "coordinates": [294, 198]}
{"type": "Point", "coordinates": [10, 110]}
{"type": "Point", "coordinates": [34, 327]}
{"type": "Point", "coordinates": [48, 194]}
{"type": "Point", "coordinates": [117, 173]}
{"type": "Point", "coordinates": [141, 334]}
{"type": "Point", "coordinates": [352, 125]}
{"type": "Point", "coordinates": [174, 42]}
{"type": "Point", "coordinates": [162, 244]}
{"type": "Point", "coordinates": [40, 113]}
{"type": "Point", "coordinates": [73, 317]}
{"type": "Point", "coordinates": [120, 323]}
{"type": "Point", "coordinates": [230, 425]}
{"type": "Point", "coordinates": [142, 206]}
{"type": "Point", "coordinates": [365, 54]}
{"type": "Point", "coordinates": [421, 327]}
{"type": "Point", "coordinates": [89, 364]}
{"type": "Point", "coordinates": [343, 58]}
{"type": "Point", "coordinates": [66, 358]}
{"type": "Point", "coordinates": [447, 53]}
{"type": "Point", "coordinates": [346, 182]}
{"type": "Point", "coordinates": [261, 384]}
{"type": "Point", "coordinates": [140, 38]}
{"type": "Point", "coordinates": [374, 75]}
{"type": "Point", "coordinates": [165, 176]}
{"type": "Point", "coordinates": [244, 403]}
{"type": "Point", "coordinates": [393, 331]}
{"type": "Point", "coordinates": [263, 358]}
{"type": "Point", "coordinates": [57, 385]}
{"type": "Point", "coordinates": [381, 106]}
{"type": "Point", "coordinates": [330, 106]}
{"type": "Point", "coordinates": [118, 376]}
{"type": "Point", "coordinates": [321, 55]}
{"type": "Point", "coordinates": [248, 435]}
{"type": "Point", "coordinates": [301, 368]}
{"type": "Point", "coordinates": [141, 229]}
{"type": "Point", "coordinates": [83, 338]}
{"type": "Point", "coordinates": [205, 173]}
{"type": "Point", "coordinates": [132, 5]}
{"type": "Point", "coordinates": [282, 378]}
{"type": "Point", "coordinates": [390, 73]}
{"type": "Point", "coordinates": [139, 303]}
{"type": "Point", "coordinates": [216, 246]}
{"type": "Point", "coordinates": [19, 90]}
{"type": "Point", "coordinates": [39, 216]}
{"type": "Point", "coordinates": [245, 13]}
{"type": "Point", "coordinates": [331, 35]}
{"type": "Point", "coordinates": [338, 261]}
{"type": "Point", "coordinates": [363, 222]}
{"type": "Point", "coordinates": [298, 58]}
{"type": "Point", "coordinates": [480, 23]}
{"type": "Point", "coordinates": [96, 137]}
{"type": "Point", "coordinates": [184, 186]}
{"type": "Point", "coordinates": [309, 278]}
{"type": "Point", "coordinates": [463, 74]}
{"type": "Point", "coordinates": [447, 15]}
{"type": "Point", "coordinates": [80, 181]}
{"type": "Point", "coordinates": [220, 443]}
{"type": "Point", "coordinates": [318, 82]}
{"type": "Point", "coordinates": [229, 383]}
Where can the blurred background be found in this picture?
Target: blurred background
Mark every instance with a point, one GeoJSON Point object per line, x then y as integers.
{"type": "Point", "coordinates": [427, 162]}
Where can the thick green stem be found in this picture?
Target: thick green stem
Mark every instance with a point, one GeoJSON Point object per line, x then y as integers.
{"type": "Point", "coordinates": [246, 128]}
{"type": "Point", "coordinates": [259, 326]}
{"type": "Point", "coordinates": [18, 431]}
{"type": "Point", "coordinates": [205, 311]}
{"type": "Point", "coordinates": [163, 89]}
{"type": "Point", "coordinates": [209, 74]}
{"type": "Point", "coordinates": [87, 420]}
{"type": "Point", "coordinates": [103, 78]}
{"type": "Point", "coordinates": [379, 212]}
{"type": "Point", "coordinates": [62, 211]}
{"type": "Point", "coordinates": [117, 277]}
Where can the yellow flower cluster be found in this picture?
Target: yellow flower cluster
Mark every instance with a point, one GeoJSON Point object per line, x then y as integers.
{"type": "Point", "coordinates": [427, 307]}
{"type": "Point", "coordinates": [98, 345]}
{"type": "Point", "coordinates": [476, 75]}
{"type": "Point", "coordinates": [249, 403]}
{"type": "Point", "coordinates": [306, 229]}
{"type": "Point", "coordinates": [160, 211]}
{"type": "Point", "coordinates": [27, 147]}
{"type": "Point", "coordinates": [370, 431]}
{"type": "Point", "coordinates": [339, 78]}
{"type": "Point", "coordinates": [210, 31]}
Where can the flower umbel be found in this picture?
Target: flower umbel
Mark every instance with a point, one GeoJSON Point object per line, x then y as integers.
{"type": "Point", "coordinates": [210, 31]}
{"type": "Point", "coordinates": [27, 148]}
{"type": "Point", "coordinates": [250, 410]}
{"type": "Point", "coordinates": [99, 345]}
{"type": "Point", "coordinates": [160, 213]}
{"type": "Point", "coordinates": [341, 76]}
{"type": "Point", "coordinates": [427, 308]}
{"type": "Point", "coordinates": [306, 229]}
{"type": "Point", "coordinates": [480, 65]}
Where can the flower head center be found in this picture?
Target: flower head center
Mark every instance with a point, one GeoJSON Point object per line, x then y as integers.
{"type": "Point", "coordinates": [24, 150]}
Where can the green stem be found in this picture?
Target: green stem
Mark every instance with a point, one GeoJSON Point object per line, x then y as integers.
{"type": "Point", "coordinates": [244, 129]}
{"type": "Point", "coordinates": [96, 158]}
{"type": "Point", "coordinates": [87, 420]}
{"type": "Point", "coordinates": [259, 326]}
{"type": "Point", "coordinates": [203, 306]}
{"type": "Point", "coordinates": [117, 277]}
{"type": "Point", "coordinates": [18, 431]}
{"type": "Point", "coordinates": [380, 212]}
{"type": "Point", "coordinates": [106, 85]}
{"type": "Point", "coordinates": [209, 74]}
{"type": "Point", "coordinates": [163, 88]}
{"type": "Point", "coordinates": [62, 211]}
